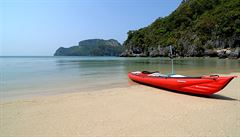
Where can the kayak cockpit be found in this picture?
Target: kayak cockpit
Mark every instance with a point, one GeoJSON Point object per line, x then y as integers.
{"type": "Point", "coordinates": [160, 75]}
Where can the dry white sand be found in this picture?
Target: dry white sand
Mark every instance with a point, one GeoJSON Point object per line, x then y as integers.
{"type": "Point", "coordinates": [132, 111]}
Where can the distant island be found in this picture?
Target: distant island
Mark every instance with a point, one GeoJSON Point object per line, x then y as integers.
{"type": "Point", "coordinates": [92, 47]}
{"type": "Point", "coordinates": [196, 28]}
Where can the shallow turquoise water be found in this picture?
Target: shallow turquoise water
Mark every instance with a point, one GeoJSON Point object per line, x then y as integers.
{"type": "Point", "coordinates": [29, 76]}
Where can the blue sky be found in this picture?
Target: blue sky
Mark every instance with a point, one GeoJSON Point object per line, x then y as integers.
{"type": "Point", "coordinates": [39, 27]}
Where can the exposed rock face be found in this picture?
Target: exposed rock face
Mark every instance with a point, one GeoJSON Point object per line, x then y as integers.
{"type": "Point", "coordinates": [235, 54]}
{"type": "Point", "coordinates": [222, 48]}
{"type": "Point", "coordinates": [92, 47]}
{"type": "Point", "coordinates": [154, 53]}
{"type": "Point", "coordinates": [127, 53]}
{"type": "Point", "coordinates": [210, 53]}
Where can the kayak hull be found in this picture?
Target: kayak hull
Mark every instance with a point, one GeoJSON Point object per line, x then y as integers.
{"type": "Point", "coordinates": [204, 85]}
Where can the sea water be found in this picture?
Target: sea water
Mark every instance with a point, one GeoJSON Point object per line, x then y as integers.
{"type": "Point", "coordinates": [33, 76]}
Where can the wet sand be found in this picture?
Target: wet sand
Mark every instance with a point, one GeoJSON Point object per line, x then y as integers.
{"type": "Point", "coordinates": [136, 110]}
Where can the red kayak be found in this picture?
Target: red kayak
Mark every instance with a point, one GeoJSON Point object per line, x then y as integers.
{"type": "Point", "coordinates": [204, 85]}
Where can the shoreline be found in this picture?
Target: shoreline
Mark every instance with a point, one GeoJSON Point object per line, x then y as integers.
{"type": "Point", "coordinates": [72, 90]}
{"type": "Point", "coordinates": [136, 110]}
{"type": "Point", "coordinates": [178, 57]}
{"type": "Point", "coordinates": [55, 92]}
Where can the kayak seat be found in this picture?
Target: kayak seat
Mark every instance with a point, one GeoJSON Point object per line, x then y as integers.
{"type": "Point", "coordinates": [176, 76]}
{"type": "Point", "coordinates": [148, 72]}
{"type": "Point", "coordinates": [156, 74]}
{"type": "Point", "coordinates": [136, 72]}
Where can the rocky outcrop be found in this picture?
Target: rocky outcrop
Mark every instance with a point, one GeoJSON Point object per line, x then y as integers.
{"type": "Point", "coordinates": [229, 53]}
{"type": "Point", "coordinates": [158, 51]}
{"type": "Point", "coordinates": [211, 53]}
{"type": "Point", "coordinates": [233, 53]}
{"type": "Point", "coordinates": [189, 46]}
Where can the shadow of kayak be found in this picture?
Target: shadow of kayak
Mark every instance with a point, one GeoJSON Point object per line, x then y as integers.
{"type": "Point", "coordinates": [221, 97]}
{"type": "Point", "coordinates": [213, 96]}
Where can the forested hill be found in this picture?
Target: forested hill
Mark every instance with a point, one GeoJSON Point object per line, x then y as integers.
{"type": "Point", "coordinates": [92, 47]}
{"type": "Point", "coordinates": [195, 28]}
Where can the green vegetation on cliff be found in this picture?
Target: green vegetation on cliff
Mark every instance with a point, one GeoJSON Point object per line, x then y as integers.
{"type": "Point", "coordinates": [194, 28]}
{"type": "Point", "coordinates": [92, 47]}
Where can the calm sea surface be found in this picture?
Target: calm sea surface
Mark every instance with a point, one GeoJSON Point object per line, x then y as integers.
{"type": "Point", "coordinates": [30, 76]}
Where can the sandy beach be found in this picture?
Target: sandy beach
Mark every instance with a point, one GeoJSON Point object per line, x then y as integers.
{"type": "Point", "coordinates": [136, 110]}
